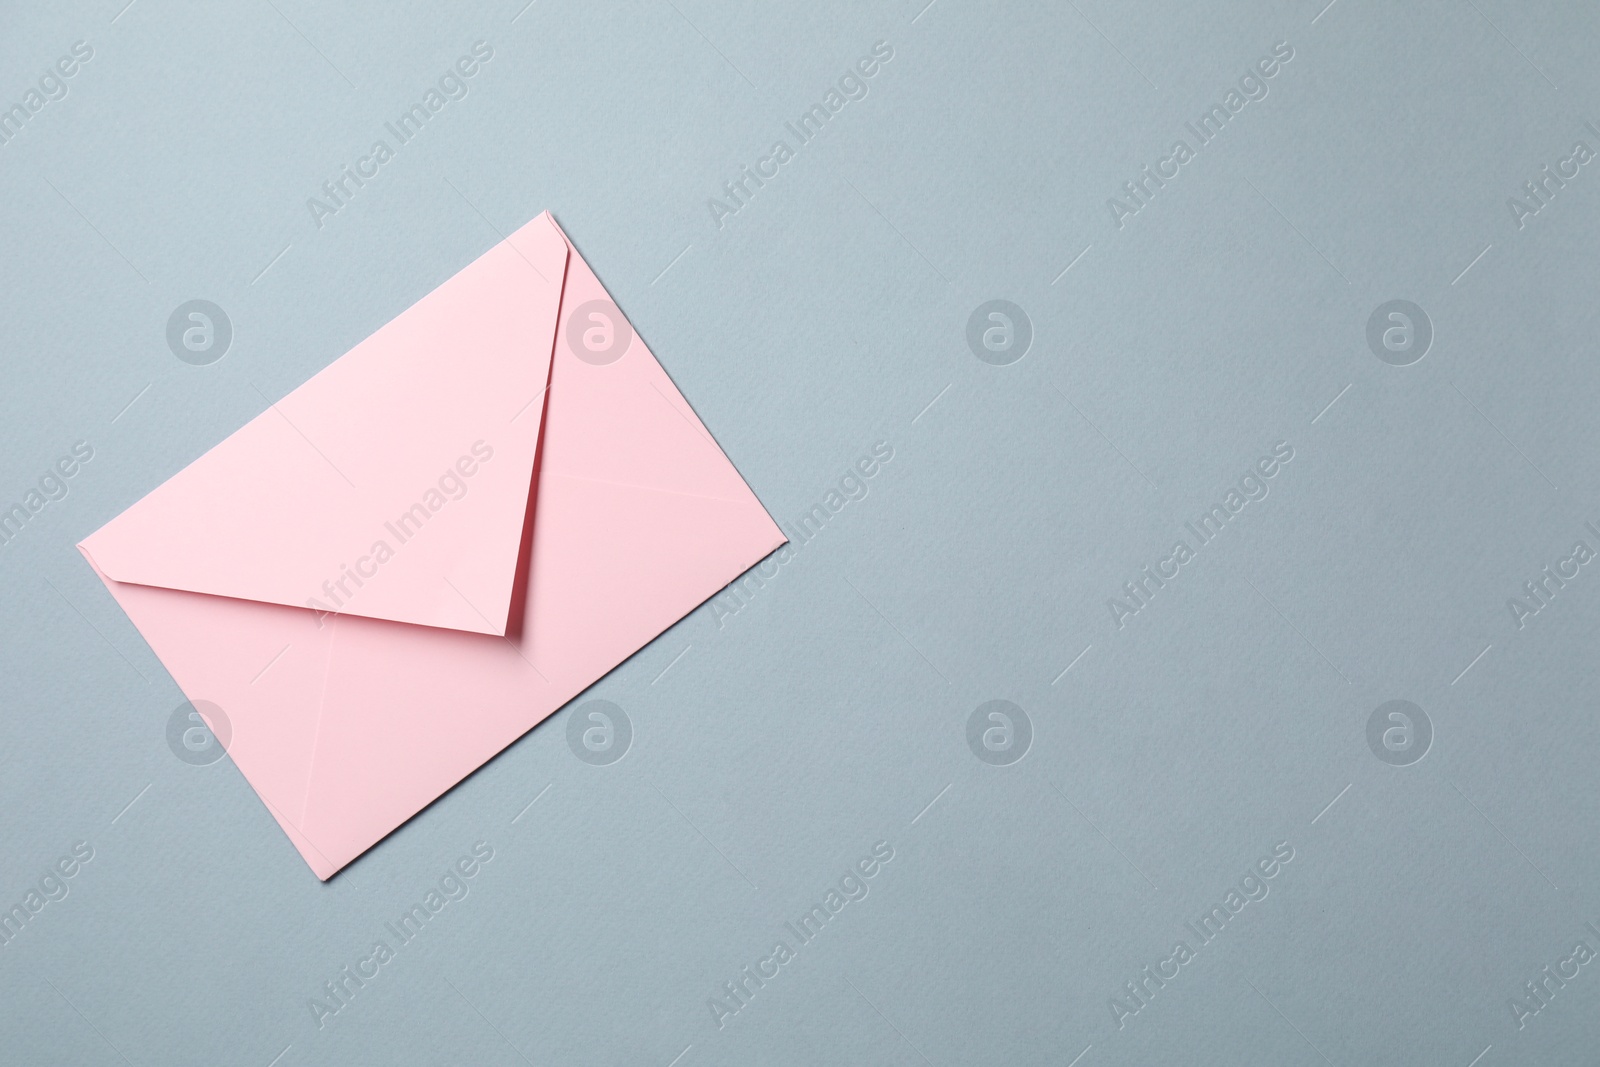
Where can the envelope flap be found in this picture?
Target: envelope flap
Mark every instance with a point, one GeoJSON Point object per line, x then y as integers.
{"type": "Point", "coordinates": [394, 484]}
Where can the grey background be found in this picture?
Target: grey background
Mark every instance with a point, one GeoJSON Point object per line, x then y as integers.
{"type": "Point", "coordinates": [773, 747]}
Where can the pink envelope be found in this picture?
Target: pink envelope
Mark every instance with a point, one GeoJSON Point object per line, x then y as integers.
{"type": "Point", "coordinates": [405, 564]}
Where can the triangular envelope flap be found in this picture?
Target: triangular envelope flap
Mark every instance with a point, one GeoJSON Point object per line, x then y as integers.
{"type": "Point", "coordinates": [393, 484]}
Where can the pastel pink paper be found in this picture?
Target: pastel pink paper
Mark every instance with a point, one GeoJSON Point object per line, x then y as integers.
{"type": "Point", "coordinates": [268, 514]}
{"type": "Point", "coordinates": [637, 519]}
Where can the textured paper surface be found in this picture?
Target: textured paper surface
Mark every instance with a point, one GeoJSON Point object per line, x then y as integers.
{"type": "Point", "coordinates": [832, 319]}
